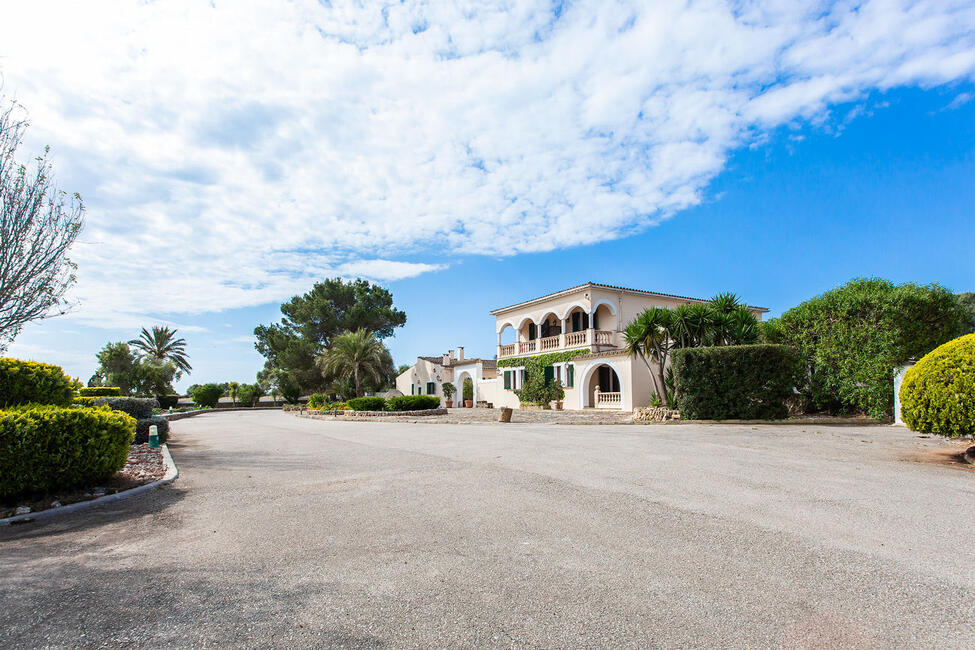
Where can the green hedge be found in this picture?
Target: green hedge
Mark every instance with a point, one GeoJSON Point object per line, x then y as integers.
{"type": "Point", "coordinates": [45, 448]}
{"type": "Point", "coordinates": [100, 391]}
{"type": "Point", "coordinates": [742, 382]}
{"type": "Point", "coordinates": [249, 394]}
{"type": "Point", "coordinates": [29, 382]}
{"type": "Point", "coordinates": [938, 393]}
{"type": "Point", "coordinates": [167, 401]}
{"type": "Point", "coordinates": [138, 407]}
{"type": "Point", "coordinates": [142, 429]}
{"type": "Point", "coordinates": [207, 394]}
{"type": "Point", "coordinates": [413, 403]}
{"type": "Point", "coordinates": [368, 403]}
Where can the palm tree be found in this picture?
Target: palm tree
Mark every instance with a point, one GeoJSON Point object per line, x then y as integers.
{"type": "Point", "coordinates": [357, 356]}
{"type": "Point", "coordinates": [162, 344]}
{"type": "Point", "coordinates": [649, 338]}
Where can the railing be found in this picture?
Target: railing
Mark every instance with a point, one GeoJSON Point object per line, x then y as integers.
{"type": "Point", "coordinates": [527, 346]}
{"type": "Point", "coordinates": [575, 338]}
{"type": "Point", "coordinates": [608, 399]}
{"type": "Point", "coordinates": [550, 343]}
{"type": "Point", "coordinates": [506, 350]}
{"type": "Point", "coordinates": [603, 337]}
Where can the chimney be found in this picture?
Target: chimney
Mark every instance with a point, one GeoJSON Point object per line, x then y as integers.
{"type": "Point", "coordinates": [446, 359]}
{"type": "Point", "coordinates": [460, 354]}
{"type": "Point", "coordinates": [451, 354]}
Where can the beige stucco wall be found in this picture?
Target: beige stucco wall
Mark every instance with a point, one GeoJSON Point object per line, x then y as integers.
{"type": "Point", "coordinates": [424, 371]}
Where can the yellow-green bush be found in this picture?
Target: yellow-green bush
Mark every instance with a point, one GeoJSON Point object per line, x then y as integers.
{"type": "Point", "coordinates": [45, 448]}
{"type": "Point", "coordinates": [938, 393]}
{"type": "Point", "coordinates": [30, 382]}
{"type": "Point", "coordinates": [100, 391]}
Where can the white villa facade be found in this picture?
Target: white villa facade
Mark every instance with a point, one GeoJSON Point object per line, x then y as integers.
{"type": "Point", "coordinates": [579, 329]}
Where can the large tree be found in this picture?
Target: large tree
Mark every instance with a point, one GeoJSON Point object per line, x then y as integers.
{"type": "Point", "coordinates": [358, 356]}
{"type": "Point", "coordinates": [161, 344]}
{"type": "Point", "coordinates": [313, 320]}
{"type": "Point", "coordinates": [119, 366]}
{"type": "Point", "coordinates": [38, 224]}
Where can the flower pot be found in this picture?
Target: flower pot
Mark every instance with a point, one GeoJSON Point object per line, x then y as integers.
{"type": "Point", "coordinates": [449, 403]}
{"type": "Point", "coordinates": [468, 403]}
{"type": "Point", "coordinates": [558, 406]}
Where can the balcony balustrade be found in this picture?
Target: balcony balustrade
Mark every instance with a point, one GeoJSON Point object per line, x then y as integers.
{"type": "Point", "coordinates": [600, 339]}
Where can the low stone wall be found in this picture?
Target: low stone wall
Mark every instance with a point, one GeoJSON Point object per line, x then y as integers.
{"type": "Point", "coordinates": [655, 414]}
{"type": "Point", "coordinates": [351, 415]}
{"type": "Point", "coordinates": [188, 414]}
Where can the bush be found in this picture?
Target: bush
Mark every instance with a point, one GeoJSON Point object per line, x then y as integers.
{"type": "Point", "coordinates": [316, 401]}
{"type": "Point", "coordinates": [249, 394]}
{"type": "Point", "coordinates": [938, 393]}
{"type": "Point", "coordinates": [414, 403]}
{"type": "Point", "coordinates": [207, 395]}
{"type": "Point", "coordinates": [138, 407]}
{"type": "Point", "coordinates": [29, 382]}
{"type": "Point", "coordinates": [99, 391]}
{"type": "Point", "coordinates": [852, 338]}
{"type": "Point", "coordinates": [46, 448]}
{"type": "Point", "coordinates": [142, 429]}
{"type": "Point", "coordinates": [746, 382]}
{"type": "Point", "coordinates": [291, 392]}
{"type": "Point", "coordinates": [167, 401]}
{"type": "Point", "coordinates": [367, 403]}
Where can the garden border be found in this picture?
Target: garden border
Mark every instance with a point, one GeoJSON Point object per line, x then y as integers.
{"type": "Point", "coordinates": [188, 414]}
{"type": "Point", "coordinates": [172, 472]}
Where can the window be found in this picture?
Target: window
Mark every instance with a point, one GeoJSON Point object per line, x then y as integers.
{"type": "Point", "coordinates": [412, 389]}
{"type": "Point", "coordinates": [507, 380]}
{"type": "Point", "coordinates": [570, 375]}
{"type": "Point", "coordinates": [431, 388]}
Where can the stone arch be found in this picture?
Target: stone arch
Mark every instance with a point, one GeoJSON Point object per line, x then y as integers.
{"type": "Point", "coordinates": [586, 386]}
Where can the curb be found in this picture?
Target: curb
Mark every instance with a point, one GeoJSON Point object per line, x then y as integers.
{"type": "Point", "coordinates": [172, 472]}
{"type": "Point", "coordinates": [172, 417]}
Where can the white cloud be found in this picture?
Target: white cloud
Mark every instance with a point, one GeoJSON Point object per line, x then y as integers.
{"type": "Point", "coordinates": [232, 152]}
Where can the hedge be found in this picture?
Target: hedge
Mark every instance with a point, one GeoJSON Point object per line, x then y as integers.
{"type": "Point", "coordinates": [142, 429]}
{"type": "Point", "coordinates": [138, 407]}
{"type": "Point", "coordinates": [413, 403]}
{"type": "Point", "coordinates": [207, 394]}
{"type": "Point", "coordinates": [368, 403]}
{"type": "Point", "coordinates": [29, 382]}
{"type": "Point", "coordinates": [167, 401]}
{"type": "Point", "coordinates": [744, 382]}
{"type": "Point", "coordinates": [44, 448]}
{"type": "Point", "coordinates": [100, 391]}
{"type": "Point", "coordinates": [938, 393]}
{"type": "Point", "coordinates": [249, 394]}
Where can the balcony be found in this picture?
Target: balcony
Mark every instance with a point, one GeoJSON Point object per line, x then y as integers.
{"type": "Point", "coordinates": [597, 340]}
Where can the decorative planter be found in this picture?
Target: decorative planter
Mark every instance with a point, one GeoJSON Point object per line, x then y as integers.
{"type": "Point", "coordinates": [449, 403]}
{"type": "Point", "coordinates": [468, 403]}
{"type": "Point", "coordinates": [558, 406]}
{"type": "Point", "coordinates": [505, 414]}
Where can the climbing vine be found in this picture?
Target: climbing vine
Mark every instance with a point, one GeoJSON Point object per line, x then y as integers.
{"type": "Point", "coordinates": [543, 359]}
{"type": "Point", "coordinates": [536, 390]}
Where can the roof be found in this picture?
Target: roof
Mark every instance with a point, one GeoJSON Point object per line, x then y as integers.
{"type": "Point", "coordinates": [487, 363]}
{"type": "Point", "coordinates": [612, 287]}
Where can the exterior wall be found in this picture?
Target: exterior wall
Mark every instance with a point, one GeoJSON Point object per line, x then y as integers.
{"type": "Point", "coordinates": [424, 371]}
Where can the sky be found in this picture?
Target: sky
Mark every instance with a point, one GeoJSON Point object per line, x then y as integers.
{"type": "Point", "coordinates": [470, 155]}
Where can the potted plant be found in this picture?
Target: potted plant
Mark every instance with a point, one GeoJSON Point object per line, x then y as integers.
{"type": "Point", "coordinates": [556, 394]}
{"type": "Point", "coordinates": [448, 393]}
{"type": "Point", "coordinates": [468, 393]}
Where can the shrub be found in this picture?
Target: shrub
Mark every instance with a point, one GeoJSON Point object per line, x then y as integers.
{"type": "Point", "coordinates": [45, 448]}
{"type": "Point", "coordinates": [207, 394]}
{"type": "Point", "coordinates": [142, 429]}
{"type": "Point", "coordinates": [368, 403]}
{"type": "Point", "coordinates": [291, 392]}
{"type": "Point", "coordinates": [938, 393]}
{"type": "Point", "coordinates": [249, 394]}
{"type": "Point", "coordinates": [316, 401]}
{"type": "Point", "coordinates": [468, 389]}
{"type": "Point", "coordinates": [99, 391]}
{"type": "Point", "coordinates": [747, 382]}
{"type": "Point", "coordinates": [138, 407]}
{"type": "Point", "coordinates": [167, 401]}
{"type": "Point", "coordinates": [413, 403]}
{"type": "Point", "coordinates": [852, 338]}
{"type": "Point", "coordinates": [29, 382]}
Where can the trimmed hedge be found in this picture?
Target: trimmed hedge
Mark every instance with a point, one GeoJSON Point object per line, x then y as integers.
{"type": "Point", "coordinates": [30, 382]}
{"type": "Point", "coordinates": [142, 429]}
{"type": "Point", "coordinates": [167, 401]}
{"type": "Point", "coordinates": [740, 382]}
{"type": "Point", "coordinates": [100, 391]}
{"type": "Point", "coordinates": [413, 403]}
{"type": "Point", "coordinates": [138, 407]}
{"type": "Point", "coordinates": [45, 448]}
{"type": "Point", "coordinates": [938, 393]}
{"type": "Point", "coordinates": [207, 394]}
{"type": "Point", "coordinates": [367, 403]}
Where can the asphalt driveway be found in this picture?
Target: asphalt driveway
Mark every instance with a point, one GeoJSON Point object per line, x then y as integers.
{"type": "Point", "coordinates": [289, 532]}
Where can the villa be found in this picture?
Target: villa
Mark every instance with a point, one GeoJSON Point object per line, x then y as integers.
{"type": "Point", "coordinates": [578, 331]}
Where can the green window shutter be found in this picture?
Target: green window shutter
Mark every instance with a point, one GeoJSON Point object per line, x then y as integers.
{"type": "Point", "coordinates": [571, 380]}
{"type": "Point", "coordinates": [507, 380]}
{"type": "Point", "coordinates": [549, 373]}
{"type": "Point", "coordinates": [412, 389]}
{"type": "Point", "coordinates": [431, 388]}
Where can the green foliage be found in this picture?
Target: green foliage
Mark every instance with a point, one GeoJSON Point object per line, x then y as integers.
{"type": "Point", "coordinates": [167, 401]}
{"type": "Point", "coordinates": [290, 390]}
{"type": "Point", "coordinates": [139, 408]}
{"type": "Point", "coordinates": [851, 338]}
{"type": "Point", "coordinates": [162, 345]}
{"type": "Point", "coordinates": [46, 448]}
{"type": "Point", "coordinates": [468, 388]}
{"type": "Point", "coordinates": [154, 377]}
{"type": "Point", "coordinates": [967, 302]}
{"type": "Point", "coordinates": [249, 394]}
{"type": "Point", "coordinates": [747, 382]}
{"type": "Point", "coordinates": [100, 391]}
{"type": "Point", "coordinates": [119, 366]}
{"type": "Point", "coordinates": [26, 382]}
{"type": "Point", "coordinates": [413, 403]}
{"type": "Point", "coordinates": [316, 400]}
{"type": "Point", "coordinates": [535, 389]}
{"type": "Point", "coordinates": [358, 356]}
{"type": "Point", "coordinates": [142, 429]}
{"type": "Point", "coordinates": [543, 359]}
{"type": "Point", "coordinates": [938, 393]}
{"type": "Point", "coordinates": [448, 390]}
{"type": "Point", "coordinates": [368, 403]}
{"type": "Point", "coordinates": [233, 389]}
{"type": "Point", "coordinates": [207, 395]}
{"type": "Point", "coordinates": [313, 320]}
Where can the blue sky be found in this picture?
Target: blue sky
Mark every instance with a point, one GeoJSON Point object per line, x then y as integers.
{"type": "Point", "coordinates": [231, 154]}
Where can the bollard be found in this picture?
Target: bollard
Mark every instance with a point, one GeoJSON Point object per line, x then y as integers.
{"type": "Point", "coordinates": [505, 414]}
{"type": "Point", "coordinates": [153, 436]}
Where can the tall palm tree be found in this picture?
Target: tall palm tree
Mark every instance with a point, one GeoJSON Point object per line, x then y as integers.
{"type": "Point", "coordinates": [357, 356]}
{"type": "Point", "coordinates": [162, 344]}
{"type": "Point", "coordinates": [649, 338]}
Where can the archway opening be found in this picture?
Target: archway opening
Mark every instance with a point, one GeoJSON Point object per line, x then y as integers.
{"type": "Point", "coordinates": [604, 388]}
{"type": "Point", "coordinates": [463, 390]}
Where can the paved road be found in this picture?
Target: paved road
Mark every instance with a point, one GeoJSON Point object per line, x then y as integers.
{"type": "Point", "coordinates": [290, 532]}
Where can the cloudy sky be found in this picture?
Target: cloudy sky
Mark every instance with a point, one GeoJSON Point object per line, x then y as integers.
{"type": "Point", "coordinates": [473, 154]}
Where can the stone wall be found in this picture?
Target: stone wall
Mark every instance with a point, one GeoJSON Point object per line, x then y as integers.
{"type": "Point", "coordinates": [655, 414]}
